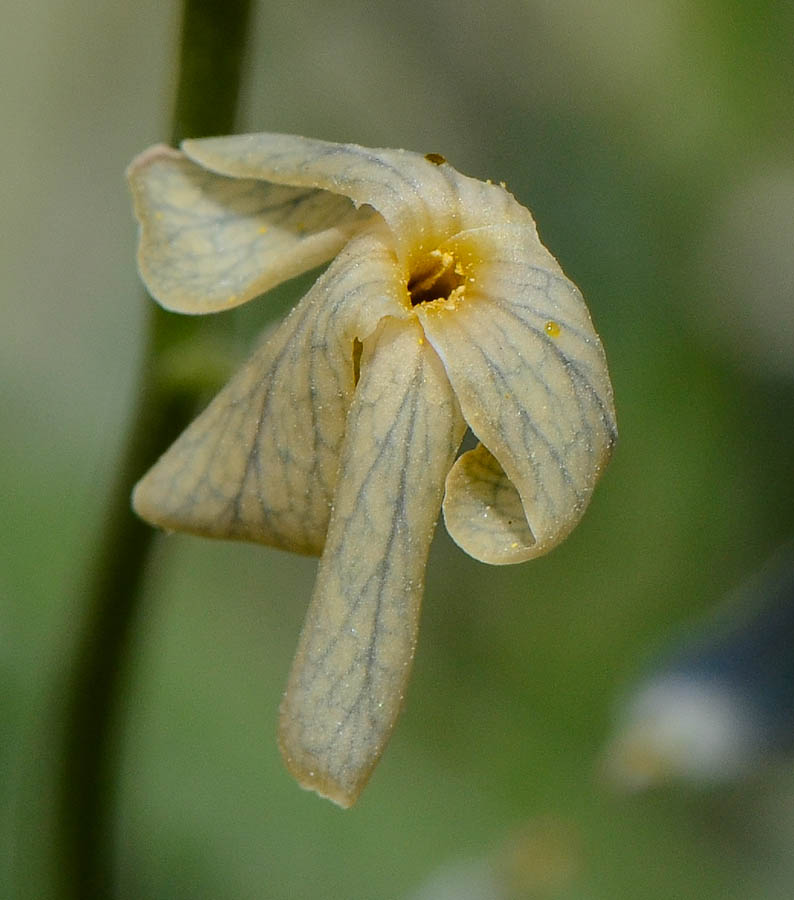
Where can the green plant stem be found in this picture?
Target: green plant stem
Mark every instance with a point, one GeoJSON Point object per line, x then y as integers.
{"type": "Point", "coordinates": [213, 41]}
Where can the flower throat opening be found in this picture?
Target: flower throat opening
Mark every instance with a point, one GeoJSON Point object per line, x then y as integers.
{"type": "Point", "coordinates": [437, 276]}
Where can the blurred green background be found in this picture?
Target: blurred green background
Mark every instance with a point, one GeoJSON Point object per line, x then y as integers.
{"type": "Point", "coordinates": [653, 142]}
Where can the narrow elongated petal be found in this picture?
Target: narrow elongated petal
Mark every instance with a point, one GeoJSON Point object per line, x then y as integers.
{"type": "Point", "coordinates": [530, 374]}
{"type": "Point", "coordinates": [209, 243]}
{"type": "Point", "coordinates": [347, 682]}
{"type": "Point", "coordinates": [422, 201]}
{"type": "Point", "coordinates": [261, 462]}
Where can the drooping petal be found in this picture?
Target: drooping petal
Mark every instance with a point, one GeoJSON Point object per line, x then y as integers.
{"type": "Point", "coordinates": [261, 462]}
{"type": "Point", "coordinates": [209, 243]}
{"type": "Point", "coordinates": [422, 201]}
{"type": "Point", "coordinates": [483, 511]}
{"type": "Point", "coordinates": [530, 374]}
{"type": "Point", "coordinates": [347, 682]}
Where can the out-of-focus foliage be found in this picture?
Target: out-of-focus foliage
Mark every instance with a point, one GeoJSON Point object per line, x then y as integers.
{"type": "Point", "coordinates": [653, 144]}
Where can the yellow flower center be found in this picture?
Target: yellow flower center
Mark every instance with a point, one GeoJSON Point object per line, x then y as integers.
{"type": "Point", "coordinates": [438, 276]}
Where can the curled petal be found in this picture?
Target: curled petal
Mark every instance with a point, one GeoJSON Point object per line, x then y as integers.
{"type": "Point", "coordinates": [261, 462]}
{"type": "Point", "coordinates": [209, 243]}
{"type": "Point", "coordinates": [422, 201]}
{"type": "Point", "coordinates": [347, 682]}
{"type": "Point", "coordinates": [483, 511]}
{"type": "Point", "coordinates": [530, 374]}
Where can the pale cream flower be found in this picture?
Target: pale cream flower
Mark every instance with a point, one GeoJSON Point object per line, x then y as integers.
{"type": "Point", "coordinates": [339, 437]}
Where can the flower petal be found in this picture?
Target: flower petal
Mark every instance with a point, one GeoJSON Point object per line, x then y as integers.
{"type": "Point", "coordinates": [530, 374]}
{"type": "Point", "coordinates": [209, 243]}
{"type": "Point", "coordinates": [347, 682]}
{"type": "Point", "coordinates": [483, 511]}
{"type": "Point", "coordinates": [423, 201]}
{"type": "Point", "coordinates": [261, 462]}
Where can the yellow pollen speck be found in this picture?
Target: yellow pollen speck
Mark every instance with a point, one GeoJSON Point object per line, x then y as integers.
{"type": "Point", "coordinates": [421, 341]}
{"type": "Point", "coordinates": [552, 329]}
{"type": "Point", "coordinates": [262, 230]}
{"type": "Point", "coordinates": [232, 298]}
{"type": "Point", "coordinates": [514, 545]}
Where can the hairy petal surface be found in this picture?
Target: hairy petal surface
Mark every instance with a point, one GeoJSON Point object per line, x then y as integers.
{"type": "Point", "coordinates": [349, 675]}
{"type": "Point", "coordinates": [261, 462]}
{"type": "Point", "coordinates": [530, 374]}
{"type": "Point", "coordinates": [209, 243]}
{"type": "Point", "coordinates": [423, 202]}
